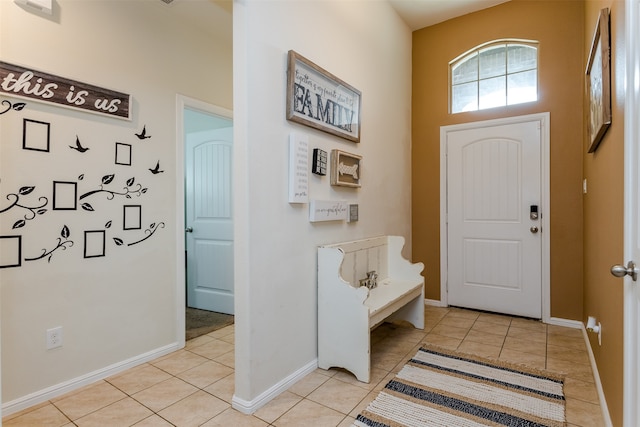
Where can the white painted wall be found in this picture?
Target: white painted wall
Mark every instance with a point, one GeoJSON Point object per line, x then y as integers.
{"type": "Point", "coordinates": [365, 44]}
{"type": "Point", "coordinates": [123, 306]}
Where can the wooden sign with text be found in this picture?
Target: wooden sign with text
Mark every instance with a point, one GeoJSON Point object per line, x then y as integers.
{"type": "Point", "coordinates": [36, 85]}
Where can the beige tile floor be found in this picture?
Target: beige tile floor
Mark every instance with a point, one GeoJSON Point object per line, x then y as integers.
{"type": "Point", "coordinates": [194, 386]}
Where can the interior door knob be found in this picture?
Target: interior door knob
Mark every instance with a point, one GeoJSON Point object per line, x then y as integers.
{"type": "Point", "coordinates": [534, 229]}
{"type": "Point", "coordinates": [629, 270]}
{"type": "Point", "coordinates": [188, 230]}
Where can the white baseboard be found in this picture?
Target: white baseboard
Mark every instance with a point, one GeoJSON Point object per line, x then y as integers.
{"type": "Point", "coordinates": [596, 376]}
{"type": "Point", "coordinates": [250, 406]}
{"type": "Point", "coordinates": [49, 393]}
{"type": "Point", "coordinates": [434, 303]}
{"type": "Point", "coordinates": [575, 324]}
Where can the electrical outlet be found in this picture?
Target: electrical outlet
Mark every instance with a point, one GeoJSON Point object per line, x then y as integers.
{"type": "Point", "coordinates": [54, 338]}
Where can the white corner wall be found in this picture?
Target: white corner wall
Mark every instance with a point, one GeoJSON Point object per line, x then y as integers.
{"type": "Point", "coordinates": [367, 45]}
{"type": "Point", "coordinates": [123, 306]}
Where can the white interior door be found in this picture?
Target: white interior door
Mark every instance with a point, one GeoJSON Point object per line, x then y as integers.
{"type": "Point", "coordinates": [209, 220]}
{"type": "Point", "coordinates": [493, 213]}
{"type": "Point", "coordinates": [632, 216]}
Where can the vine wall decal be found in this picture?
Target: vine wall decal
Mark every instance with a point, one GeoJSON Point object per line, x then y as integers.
{"type": "Point", "coordinates": [153, 227]}
{"type": "Point", "coordinates": [17, 106]}
{"type": "Point", "coordinates": [32, 211]}
{"type": "Point", "coordinates": [131, 188]}
{"type": "Point", "coordinates": [62, 244]}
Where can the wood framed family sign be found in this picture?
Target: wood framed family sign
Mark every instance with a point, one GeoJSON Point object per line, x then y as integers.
{"type": "Point", "coordinates": [598, 79]}
{"type": "Point", "coordinates": [318, 99]}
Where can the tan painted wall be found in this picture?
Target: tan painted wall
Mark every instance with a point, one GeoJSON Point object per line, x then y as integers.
{"type": "Point", "coordinates": [558, 26]}
{"type": "Point", "coordinates": [603, 219]}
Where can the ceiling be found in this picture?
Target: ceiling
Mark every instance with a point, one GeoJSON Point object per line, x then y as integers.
{"type": "Point", "coordinates": [423, 13]}
{"type": "Point", "coordinates": [214, 16]}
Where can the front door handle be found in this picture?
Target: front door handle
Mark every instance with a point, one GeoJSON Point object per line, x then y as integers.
{"type": "Point", "coordinates": [629, 270]}
{"type": "Point", "coordinates": [534, 229]}
{"type": "Point", "coordinates": [188, 230]}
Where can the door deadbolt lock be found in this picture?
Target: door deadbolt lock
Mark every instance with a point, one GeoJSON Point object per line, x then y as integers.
{"type": "Point", "coordinates": [533, 212]}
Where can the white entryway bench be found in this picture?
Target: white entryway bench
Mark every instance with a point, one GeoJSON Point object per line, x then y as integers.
{"type": "Point", "coordinates": [347, 312]}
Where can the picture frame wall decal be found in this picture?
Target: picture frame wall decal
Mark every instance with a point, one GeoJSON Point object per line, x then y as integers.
{"type": "Point", "coordinates": [345, 169]}
{"type": "Point", "coordinates": [10, 251]}
{"type": "Point", "coordinates": [94, 243]}
{"type": "Point", "coordinates": [123, 154]}
{"type": "Point", "coordinates": [132, 217]}
{"type": "Point", "coordinates": [318, 99]}
{"type": "Point", "coordinates": [598, 82]}
{"type": "Point", "coordinates": [35, 135]}
{"type": "Point", "coordinates": [65, 196]}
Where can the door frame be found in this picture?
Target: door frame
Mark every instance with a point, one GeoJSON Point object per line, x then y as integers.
{"type": "Point", "coordinates": [183, 102]}
{"type": "Point", "coordinates": [545, 235]}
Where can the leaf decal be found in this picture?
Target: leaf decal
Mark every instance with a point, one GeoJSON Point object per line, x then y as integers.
{"type": "Point", "coordinates": [65, 233]}
{"type": "Point", "coordinates": [107, 225]}
{"type": "Point", "coordinates": [19, 224]}
{"type": "Point", "coordinates": [19, 106]}
{"type": "Point", "coordinates": [128, 196]}
{"type": "Point", "coordinates": [144, 190]}
{"type": "Point", "coordinates": [41, 211]}
{"type": "Point", "coordinates": [26, 190]}
{"type": "Point", "coordinates": [118, 242]}
{"type": "Point", "coordinates": [81, 177]}
{"type": "Point", "coordinates": [107, 178]}
{"type": "Point", "coordinates": [152, 226]}
{"type": "Point", "coordinates": [87, 207]}
{"type": "Point", "coordinates": [130, 181]}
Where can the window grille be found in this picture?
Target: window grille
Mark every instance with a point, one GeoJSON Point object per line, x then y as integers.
{"type": "Point", "coordinates": [495, 74]}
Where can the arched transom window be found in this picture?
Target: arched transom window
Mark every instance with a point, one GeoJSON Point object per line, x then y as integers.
{"type": "Point", "coordinates": [495, 74]}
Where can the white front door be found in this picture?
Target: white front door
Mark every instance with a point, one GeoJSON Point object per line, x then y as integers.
{"type": "Point", "coordinates": [209, 220]}
{"type": "Point", "coordinates": [494, 209]}
{"type": "Point", "coordinates": [632, 216]}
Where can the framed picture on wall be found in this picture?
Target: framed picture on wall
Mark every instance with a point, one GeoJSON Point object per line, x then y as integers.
{"type": "Point", "coordinates": [318, 99]}
{"type": "Point", "coordinates": [345, 169]}
{"type": "Point", "coordinates": [598, 81]}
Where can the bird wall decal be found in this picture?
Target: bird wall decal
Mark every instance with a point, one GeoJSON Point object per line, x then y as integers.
{"type": "Point", "coordinates": [143, 134]}
{"type": "Point", "coordinates": [156, 170]}
{"type": "Point", "coordinates": [78, 146]}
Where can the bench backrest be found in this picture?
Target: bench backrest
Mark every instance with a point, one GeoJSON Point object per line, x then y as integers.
{"type": "Point", "coordinates": [362, 256]}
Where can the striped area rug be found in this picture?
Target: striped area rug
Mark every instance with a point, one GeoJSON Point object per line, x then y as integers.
{"type": "Point", "coordinates": [440, 387]}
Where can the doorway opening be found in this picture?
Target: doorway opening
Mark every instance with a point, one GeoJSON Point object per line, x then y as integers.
{"type": "Point", "coordinates": [206, 220]}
